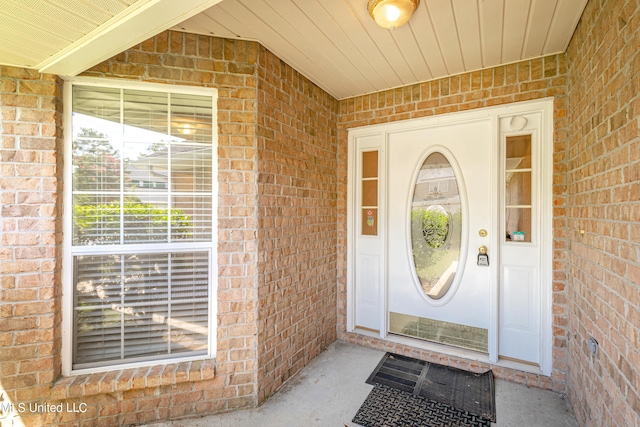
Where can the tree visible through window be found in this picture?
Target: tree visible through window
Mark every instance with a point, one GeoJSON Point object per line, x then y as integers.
{"type": "Point", "coordinates": [142, 225]}
{"type": "Point", "coordinates": [436, 225]}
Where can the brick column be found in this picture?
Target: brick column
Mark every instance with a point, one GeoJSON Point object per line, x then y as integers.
{"type": "Point", "coordinates": [30, 233]}
{"type": "Point", "coordinates": [297, 169]}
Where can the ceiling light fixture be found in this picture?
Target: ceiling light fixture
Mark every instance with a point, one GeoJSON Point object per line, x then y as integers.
{"type": "Point", "coordinates": [392, 14]}
{"type": "Point", "coordinates": [187, 129]}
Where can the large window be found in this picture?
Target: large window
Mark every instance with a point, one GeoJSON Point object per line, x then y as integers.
{"type": "Point", "coordinates": [140, 224]}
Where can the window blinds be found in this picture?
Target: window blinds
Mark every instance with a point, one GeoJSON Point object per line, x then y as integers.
{"type": "Point", "coordinates": [140, 305]}
{"type": "Point", "coordinates": [142, 225]}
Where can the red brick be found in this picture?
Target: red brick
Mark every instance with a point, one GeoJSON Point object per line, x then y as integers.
{"type": "Point", "coordinates": [19, 353]}
{"type": "Point", "coordinates": [23, 101]}
{"type": "Point", "coordinates": [293, 143]}
{"type": "Point", "coordinates": [29, 337]}
{"type": "Point", "coordinates": [29, 143]}
{"type": "Point", "coordinates": [28, 87]}
{"type": "Point", "coordinates": [125, 69]}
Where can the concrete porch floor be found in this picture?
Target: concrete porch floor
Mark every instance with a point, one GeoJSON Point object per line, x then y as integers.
{"type": "Point", "coordinates": [329, 391]}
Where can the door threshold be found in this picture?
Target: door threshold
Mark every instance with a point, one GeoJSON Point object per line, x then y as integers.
{"type": "Point", "coordinates": [514, 360]}
{"type": "Point", "coordinates": [363, 328]}
{"type": "Point", "coordinates": [445, 349]}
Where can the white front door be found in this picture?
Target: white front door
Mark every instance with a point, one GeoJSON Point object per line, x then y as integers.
{"type": "Point", "coordinates": [441, 198]}
{"type": "Point", "coordinates": [449, 237]}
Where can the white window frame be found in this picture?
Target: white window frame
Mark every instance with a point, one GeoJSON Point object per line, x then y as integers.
{"type": "Point", "coordinates": [67, 267]}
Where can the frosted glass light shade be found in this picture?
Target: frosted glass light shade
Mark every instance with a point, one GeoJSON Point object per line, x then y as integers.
{"type": "Point", "coordinates": [392, 14]}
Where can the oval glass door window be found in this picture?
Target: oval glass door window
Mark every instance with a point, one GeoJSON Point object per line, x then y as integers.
{"type": "Point", "coordinates": [436, 225]}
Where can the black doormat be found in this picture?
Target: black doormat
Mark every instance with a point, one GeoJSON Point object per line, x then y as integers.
{"type": "Point", "coordinates": [397, 371]}
{"type": "Point", "coordinates": [390, 407]}
{"type": "Point", "coordinates": [462, 390]}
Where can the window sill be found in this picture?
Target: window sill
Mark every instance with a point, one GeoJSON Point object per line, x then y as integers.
{"type": "Point", "coordinates": [132, 379]}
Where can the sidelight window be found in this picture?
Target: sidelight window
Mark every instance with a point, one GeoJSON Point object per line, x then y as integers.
{"type": "Point", "coordinates": [518, 189]}
{"type": "Point", "coordinates": [370, 193]}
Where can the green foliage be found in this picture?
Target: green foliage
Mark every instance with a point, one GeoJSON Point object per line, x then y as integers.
{"type": "Point", "coordinates": [96, 163]}
{"type": "Point", "coordinates": [428, 233]}
{"type": "Point", "coordinates": [435, 226]}
{"type": "Point", "coordinates": [100, 224]}
{"type": "Point", "coordinates": [97, 167]}
{"type": "Point", "coordinates": [430, 230]}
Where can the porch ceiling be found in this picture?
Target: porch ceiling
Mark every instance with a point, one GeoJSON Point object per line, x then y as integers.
{"type": "Point", "coordinates": [66, 37]}
{"type": "Point", "coordinates": [337, 45]}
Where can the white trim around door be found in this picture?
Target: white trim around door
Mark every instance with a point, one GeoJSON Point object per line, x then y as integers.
{"type": "Point", "coordinates": [518, 219]}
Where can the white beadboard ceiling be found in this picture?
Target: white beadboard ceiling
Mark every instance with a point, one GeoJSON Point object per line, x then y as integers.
{"type": "Point", "coordinates": [337, 45]}
{"type": "Point", "coordinates": [66, 37]}
{"type": "Point", "coordinates": [33, 31]}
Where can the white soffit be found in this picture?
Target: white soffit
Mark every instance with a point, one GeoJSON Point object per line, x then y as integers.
{"type": "Point", "coordinates": [337, 45]}
{"type": "Point", "coordinates": [66, 37]}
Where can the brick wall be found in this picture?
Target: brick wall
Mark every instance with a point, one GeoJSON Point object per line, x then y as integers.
{"type": "Point", "coordinates": [30, 263]}
{"type": "Point", "coordinates": [229, 66]}
{"type": "Point", "coordinates": [604, 201]}
{"type": "Point", "coordinates": [278, 269]}
{"type": "Point", "coordinates": [285, 178]}
{"type": "Point", "coordinates": [523, 81]}
{"type": "Point", "coordinates": [30, 232]}
{"type": "Point", "coordinates": [297, 196]}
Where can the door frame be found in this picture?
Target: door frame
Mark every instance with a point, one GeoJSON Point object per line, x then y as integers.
{"type": "Point", "coordinates": [380, 132]}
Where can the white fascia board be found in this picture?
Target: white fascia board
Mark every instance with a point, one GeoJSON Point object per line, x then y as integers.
{"type": "Point", "coordinates": [141, 21]}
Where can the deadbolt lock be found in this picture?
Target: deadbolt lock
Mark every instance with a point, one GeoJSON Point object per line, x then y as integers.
{"type": "Point", "coordinates": [482, 233]}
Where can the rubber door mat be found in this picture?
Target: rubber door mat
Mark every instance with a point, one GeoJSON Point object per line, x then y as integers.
{"type": "Point", "coordinates": [459, 389]}
{"type": "Point", "coordinates": [390, 407]}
